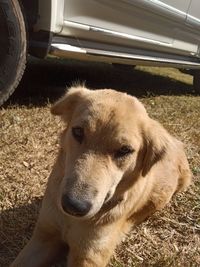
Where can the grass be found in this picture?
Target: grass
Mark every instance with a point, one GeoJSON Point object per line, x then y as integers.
{"type": "Point", "coordinates": [28, 146]}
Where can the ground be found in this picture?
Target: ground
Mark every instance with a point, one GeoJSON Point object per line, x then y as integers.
{"type": "Point", "coordinates": [29, 142]}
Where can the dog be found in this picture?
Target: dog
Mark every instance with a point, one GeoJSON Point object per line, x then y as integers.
{"type": "Point", "coordinates": [116, 166]}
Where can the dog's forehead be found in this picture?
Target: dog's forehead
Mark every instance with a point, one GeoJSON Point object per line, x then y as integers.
{"type": "Point", "coordinates": [110, 111]}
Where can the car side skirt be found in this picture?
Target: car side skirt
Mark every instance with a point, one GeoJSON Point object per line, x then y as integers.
{"type": "Point", "coordinates": [66, 47]}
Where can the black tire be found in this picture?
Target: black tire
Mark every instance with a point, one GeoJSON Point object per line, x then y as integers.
{"type": "Point", "coordinates": [196, 81]}
{"type": "Point", "coordinates": [13, 47]}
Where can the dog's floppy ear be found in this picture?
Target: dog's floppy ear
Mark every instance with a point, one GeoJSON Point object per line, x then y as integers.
{"type": "Point", "coordinates": [156, 142]}
{"type": "Point", "coordinates": [65, 106]}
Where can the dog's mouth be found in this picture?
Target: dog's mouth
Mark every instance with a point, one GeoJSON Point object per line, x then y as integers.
{"type": "Point", "coordinates": [79, 210]}
{"type": "Point", "coordinates": [82, 208]}
{"type": "Point", "coordinates": [111, 201]}
{"type": "Point", "coordinates": [108, 204]}
{"type": "Point", "coordinates": [107, 198]}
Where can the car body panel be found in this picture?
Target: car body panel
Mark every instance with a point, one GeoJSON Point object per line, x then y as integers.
{"type": "Point", "coordinates": [167, 26]}
{"type": "Point", "coordinates": [50, 15]}
{"type": "Point", "coordinates": [122, 17]}
{"type": "Point", "coordinates": [193, 15]}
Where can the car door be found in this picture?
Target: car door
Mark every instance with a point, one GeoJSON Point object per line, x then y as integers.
{"type": "Point", "coordinates": [187, 37]}
{"type": "Point", "coordinates": [144, 24]}
{"type": "Point", "coordinates": [193, 16]}
{"type": "Point", "coordinates": [193, 23]}
{"type": "Point", "coordinates": [176, 5]}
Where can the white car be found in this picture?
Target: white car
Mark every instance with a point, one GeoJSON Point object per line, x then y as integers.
{"type": "Point", "coordinates": [145, 32]}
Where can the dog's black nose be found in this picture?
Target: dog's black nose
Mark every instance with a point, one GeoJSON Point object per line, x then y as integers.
{"type": "Point", "coordinates": [74, 206]}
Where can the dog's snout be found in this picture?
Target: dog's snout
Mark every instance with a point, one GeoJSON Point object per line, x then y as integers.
{"type": "Point", "coordinates": [75, 206]}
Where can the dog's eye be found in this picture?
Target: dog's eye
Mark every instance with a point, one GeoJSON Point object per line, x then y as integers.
{"type": "Point", "coordinates": [78, 134]}
{"type": "Point", "coordinates": [124, 151]}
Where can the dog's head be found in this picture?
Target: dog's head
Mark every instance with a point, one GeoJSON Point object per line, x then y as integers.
{"type": "Point", "coordinates": [108, 137]}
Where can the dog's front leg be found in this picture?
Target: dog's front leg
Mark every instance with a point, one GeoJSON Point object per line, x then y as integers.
{"type": "Point", "coordinates": [40, 251]}
{"type": "Point", "coordinates": [92, 258]}
{"type": "Point", "coordinates": [95, 247]}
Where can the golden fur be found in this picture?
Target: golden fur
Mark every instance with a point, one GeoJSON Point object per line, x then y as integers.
{"type": "Point", "coordinates": [122, 162]}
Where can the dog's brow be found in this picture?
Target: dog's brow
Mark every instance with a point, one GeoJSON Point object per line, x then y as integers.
{"type": "Point", "coordinates": [123, 141]}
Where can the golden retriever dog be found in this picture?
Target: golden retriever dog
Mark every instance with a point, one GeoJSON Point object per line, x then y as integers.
{"type": "Point", "coordinates": [116, 166]}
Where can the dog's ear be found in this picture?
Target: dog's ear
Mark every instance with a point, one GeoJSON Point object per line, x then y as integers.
{"type": "Point", "coordinates": [156, 142]}
{"type": "Point", "coordinates": [65, 106]}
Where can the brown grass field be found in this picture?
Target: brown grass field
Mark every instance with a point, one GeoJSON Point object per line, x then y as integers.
{"type": "Point", "coordinates": [29, 142]}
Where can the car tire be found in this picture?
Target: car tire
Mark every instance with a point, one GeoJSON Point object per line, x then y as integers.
{"type": "Point", "coordinates": [13, 47]}
{"type": "Point", "coordinates": [196, 81]}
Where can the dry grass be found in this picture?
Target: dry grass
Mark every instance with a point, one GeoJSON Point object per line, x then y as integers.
{"type": "Point", "coordinates": [28, 145]}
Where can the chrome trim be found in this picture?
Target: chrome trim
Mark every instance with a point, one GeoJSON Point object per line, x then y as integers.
{"type": "Point", "coordinates": [114, 33]}
{"type": "Point", "coordinates": [69, 48]}
{"type": "Point", "coordinates": [142, 58]}
{"type": "Point", "coordinates": [76, 25]}
{"type": "Point", "coordinates": [73, 51]}
{"type": "Point", "coordinates": [193, 21]}
{"type": "Point", "coordinates": [160, 8]}
{"type": "Point", "coordinates": [156, 6]}
{"type": "Point", "coordinates": [128, 36]}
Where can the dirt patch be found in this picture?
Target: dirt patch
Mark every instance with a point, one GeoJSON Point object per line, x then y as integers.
{"type": "Point", "coordinates": [29, 142]}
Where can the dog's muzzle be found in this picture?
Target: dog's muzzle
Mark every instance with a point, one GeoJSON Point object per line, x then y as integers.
{"type": "Point", "coordinates": [74, 206]}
